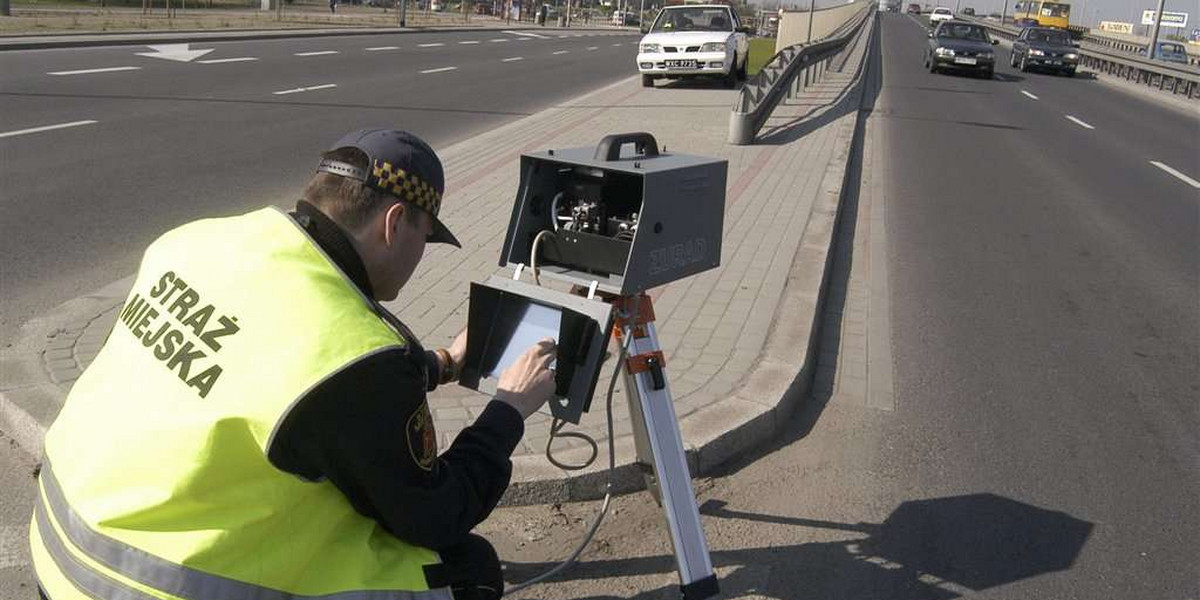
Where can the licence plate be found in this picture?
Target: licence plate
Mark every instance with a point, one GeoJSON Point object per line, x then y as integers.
{"type": "Point", "coordinates": [681, 64]}
{"type": "Point", "coordinates": [965, 61]}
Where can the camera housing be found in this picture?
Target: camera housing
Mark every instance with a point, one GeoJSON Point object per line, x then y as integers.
{"type": "Point", "coordinates": [628, 222]}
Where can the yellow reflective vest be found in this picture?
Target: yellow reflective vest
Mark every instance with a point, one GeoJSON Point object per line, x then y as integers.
{"type": "Point", "coordinates": [156, 483]}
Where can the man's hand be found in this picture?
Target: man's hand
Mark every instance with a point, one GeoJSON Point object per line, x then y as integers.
{"type": "Point", "coordinates": [458, 350]}
{"type": "Point", "coordinates": [529, 382]}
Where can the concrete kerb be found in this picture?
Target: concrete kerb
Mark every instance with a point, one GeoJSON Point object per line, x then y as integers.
{"type": "Point", "coordinates": [87, 40]}
{"type": "Point", "coordinates": [768, 394]}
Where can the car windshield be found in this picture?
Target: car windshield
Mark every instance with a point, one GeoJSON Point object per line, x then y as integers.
{"type": "Point", "coordinates": [692, 18]}
{"type": "Point", "coordinates": [961, 31]}
{"type": "Point", "coordinates": [1050, 37]}
{"type": "Point", "coordinates": [941, 11]}
{"type": "Point", "coordinates": [1054, 9]}
{"type": "Point", "coordinates": [1172, 52]}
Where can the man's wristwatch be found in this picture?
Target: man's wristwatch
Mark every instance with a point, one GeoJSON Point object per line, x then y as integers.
{"type": "Point", "coordinates": [449, 370]}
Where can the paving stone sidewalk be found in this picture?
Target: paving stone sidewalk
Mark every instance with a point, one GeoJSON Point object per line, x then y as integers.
{"type": "Point", "coordinates": [734, 337]}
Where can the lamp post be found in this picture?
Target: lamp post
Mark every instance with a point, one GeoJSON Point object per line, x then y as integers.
{"type": "Point", "coordinates": [811, 6]}
{"type": "Point", "coordinates": [1152, 53]}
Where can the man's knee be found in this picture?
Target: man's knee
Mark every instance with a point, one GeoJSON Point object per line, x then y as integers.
{"type": "Point", "coordinates": [474, 569]}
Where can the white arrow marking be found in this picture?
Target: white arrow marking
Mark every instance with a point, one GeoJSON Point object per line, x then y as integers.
{"type": "Point", "coordinates": [175, 52]}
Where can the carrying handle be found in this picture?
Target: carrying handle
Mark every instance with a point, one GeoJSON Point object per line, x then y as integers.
{"type": "Point", "coordinates": [609, 148]}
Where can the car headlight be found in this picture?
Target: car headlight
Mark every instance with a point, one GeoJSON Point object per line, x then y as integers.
{"type": "Point", "coordinates": [1072, 56]}
{"type": "Point", "coordinates": [650, 47]}
{"type": "Point", "coordinates": [713, 47]}
{"type": "Point", "coordinates": [944, 52]}
{"type": "Point", "coordinates": [1033, 52]}
{"type": "Point", "coordinates": [985, 54]}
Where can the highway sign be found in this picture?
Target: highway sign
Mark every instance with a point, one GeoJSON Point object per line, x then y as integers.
{"type": "Point", "coordinates": [1116, 27]}
{"type": "Point", "coordinates": [1169, 19]}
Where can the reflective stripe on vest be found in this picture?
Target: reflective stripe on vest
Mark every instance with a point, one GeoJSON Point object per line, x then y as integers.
{"type": "Point", "coordinates": [155, 572]}
{"type": "Point", "coordinates": [157, 483]}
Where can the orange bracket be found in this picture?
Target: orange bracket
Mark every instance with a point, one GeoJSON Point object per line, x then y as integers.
{"type": "Point", "coordinates": [649, 362]}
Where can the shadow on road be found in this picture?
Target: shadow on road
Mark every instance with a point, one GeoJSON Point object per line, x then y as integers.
{"type": "Point", "coordinates": [937, 548]}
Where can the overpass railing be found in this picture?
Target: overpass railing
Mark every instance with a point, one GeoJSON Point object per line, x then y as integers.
{"type": "Point", "coordinates": [782, 76]}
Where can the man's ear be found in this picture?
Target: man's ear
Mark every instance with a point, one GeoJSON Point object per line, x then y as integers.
{"type": "Point", "coordinates": [391, 222]}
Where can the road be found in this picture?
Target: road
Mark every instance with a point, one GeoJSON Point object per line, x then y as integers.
{"type": "Point", "coordinates": [239, 127]}
{"type": "Point", "coordinates": [1044, 284]}
{"type": "Point", "coordinates": [1044, 279]}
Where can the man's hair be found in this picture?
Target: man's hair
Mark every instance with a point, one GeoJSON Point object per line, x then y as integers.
{"type": "Point", "coordinates": [348, 202]}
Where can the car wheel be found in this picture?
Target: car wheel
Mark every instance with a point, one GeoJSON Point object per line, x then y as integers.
{"type": "Point", "coordinates": [647, 81]}
{"type": "Point", "coordinates": [989, 74]}
{"type": "Point", "coordinates": [731, 78]}
{"type": "Point", "coordinates": [1012, 59]}
{"type": "Point", "coordinates": [741, 72]}
{"type": "Point", "coordinates": [1023, 65]}
{"type": "Point", "coordinates": [931, 65]}
{"type": "Point", "coordinates": [1069, 72]}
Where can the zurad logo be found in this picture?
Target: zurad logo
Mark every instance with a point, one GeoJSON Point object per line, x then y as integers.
{"type": "Point", "coordinates": [678, 256]}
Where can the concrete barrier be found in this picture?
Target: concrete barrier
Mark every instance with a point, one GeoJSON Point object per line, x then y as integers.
{"type": "Point", "coordinates": [793, 27]}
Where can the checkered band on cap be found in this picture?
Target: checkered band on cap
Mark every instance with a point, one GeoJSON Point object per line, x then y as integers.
{"type": "Point", "coordinates": [406, 186]}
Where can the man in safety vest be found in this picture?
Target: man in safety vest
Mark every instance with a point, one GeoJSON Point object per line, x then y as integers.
{"type": "Point", "coordinates": [256, 425]}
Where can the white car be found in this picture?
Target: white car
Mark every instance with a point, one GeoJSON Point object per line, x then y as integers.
{"type": "Point", "coordinates": [694, 40]}
{"type": "Point", "coordinates": [940, 14]}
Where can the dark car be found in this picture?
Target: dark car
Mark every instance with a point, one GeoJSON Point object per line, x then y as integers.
{"type": "Point", "coordinates": [1171, 52]}
{"type": "Point", "coordinates": [961, 46]}
{"type": "Point", "coordinates": [969, 12]}
{"type": "Point", "coordinates": [1045, 48]}
{"type": "Point", "coordinates": [913, 9]}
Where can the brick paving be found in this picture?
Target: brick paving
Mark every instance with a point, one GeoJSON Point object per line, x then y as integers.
{"type": "Point", "coordinates": [713, 327]}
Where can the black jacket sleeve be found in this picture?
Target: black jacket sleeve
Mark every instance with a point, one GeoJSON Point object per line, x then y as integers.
{"type": "Point", "coordinates": [357, 429]}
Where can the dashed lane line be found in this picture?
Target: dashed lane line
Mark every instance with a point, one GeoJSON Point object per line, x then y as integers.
{"type": "Point", "coordinates": [615, 45]}
{"type": "Point", "coordinates": [382, 48]}
{"type": "Point", "coordinates": [305, 89]}
{"type": "Point", "coordinates": [1079, 122]}
{"type": "Point", "coordinates": [45, 128]}
{"type": "Point", "coordinates": [317, 53]}
{"type": "Point", "coordinates": [468, 42]}
{"type": "Point", "coordinates": [1177, 174]}
{"type": "Point", "coordinates": [512, 59]}
{"type": "Point", "coordinates": [441, 70]}
{"type": "Point", "coordinates": [433, 45]}
{"type": "Point", "coordinates": [1028, 94]}
{"type": "Point", "coordinates": [561, 52]}
{"type": "Point", "coordinates": [90, 71]}
{"type": "Point", "coordinates": [590, 48]}
{"type": "Point", "coordinates": [499, 40]}
{"type": "Point", "coordinates": [527, 34]}
{"type": "Point", "coordinates": [219, 61]}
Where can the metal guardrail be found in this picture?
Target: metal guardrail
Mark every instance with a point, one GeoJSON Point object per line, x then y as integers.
{"type": "Point", "coordinates": [1130, 46]}
{"type": "Point", "coordinates": [1177, 79]}
{"type": "Point", "coordinates": [782, 76]}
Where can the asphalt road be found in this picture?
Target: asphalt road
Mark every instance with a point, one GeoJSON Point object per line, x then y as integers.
{"type": "Point", "coordinates": [1045, 317]}
{"type": "Point", "coordinates": [174, 141]}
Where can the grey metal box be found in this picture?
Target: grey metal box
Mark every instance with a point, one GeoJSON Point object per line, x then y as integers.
{"type": "Point", "coordinates": [679, 201]}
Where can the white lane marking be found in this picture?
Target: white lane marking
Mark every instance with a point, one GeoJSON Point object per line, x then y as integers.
{"type": "Point", "coordinates": [317, 53]}
{"type": "Point", "coordinates": [1028, 94]}
{"type": "Point", "coordinates": [615, 45]}
{"type": "Point", "coordinates": [1079, 123]}
{"type": "Point", "coordinates": [88, 71]}
{"type": "Point", "coordinates": [563, 36]}
{"type": "Point", "coordinates": [12, 544]}
{"type": "Point", "coordinates": [1177, 174]}
{"type": "Point", "coordinates": [590, 48]}
{"type": "Point", "coordinates": [498, 40]}
{"type": "Point", "coordinates": [512, 59]}
{"type": "Point", "coordinates": [469, 42]}
{"type": "Point", "coordinates": [433, 45]}
{"type": "Point", "coordinates": [45, 128]}
{"type": "Point", "coordinates": [525, 34]}
{"type": "Point", "coordinates": [175, 52]}
{"type": "Point", "coordinates": [217, 61]}
{"type": "Point", "coordinates": [561, 52]}
{"type": "Point", "coordinates": [441, 70]}
{"type": "Point", "coordinates": [305, 89]}
{"type": "Point", "coordinates": [382, 48]}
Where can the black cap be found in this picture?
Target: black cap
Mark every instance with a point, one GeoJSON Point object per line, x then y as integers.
{"type": "Point", "coordinates": [401, 164]}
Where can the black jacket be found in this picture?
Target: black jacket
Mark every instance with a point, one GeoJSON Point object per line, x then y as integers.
{"type": "Point", "coordinates": [368, 430]}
